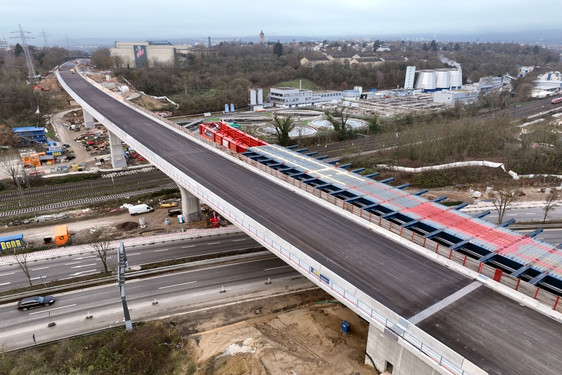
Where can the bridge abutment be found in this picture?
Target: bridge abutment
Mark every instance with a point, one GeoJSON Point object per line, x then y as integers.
{"type": "Point", "coordinates": [117, 155]}
{"type": "Point", "coordinates": [190, 205]}
{"type": "Point", "coordinates": [387, 352]}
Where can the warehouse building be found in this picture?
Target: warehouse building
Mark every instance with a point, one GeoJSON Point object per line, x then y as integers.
{"type": "Point", "coordinates": [145, 54]}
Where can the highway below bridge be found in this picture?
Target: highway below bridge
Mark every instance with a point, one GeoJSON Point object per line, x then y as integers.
{"type": "Point", "coordinates": [497, 334]}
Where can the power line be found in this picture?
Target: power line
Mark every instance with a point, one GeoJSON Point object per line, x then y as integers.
{"type": "Point", "coordinates": [30, 68]}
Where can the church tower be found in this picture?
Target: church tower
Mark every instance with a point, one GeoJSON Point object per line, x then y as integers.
{"type": "Point", "coordinates": [261, 37]}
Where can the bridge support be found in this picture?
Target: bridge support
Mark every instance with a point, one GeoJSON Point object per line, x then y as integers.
{"type": "Point", "coordinates": [88, 119]}
{"type": "Point", "coordinates": [387, 352]}
{"type": "Point", "coordinates": [190, 206]}
{"type": "Point", "coordinates": [117, 155]}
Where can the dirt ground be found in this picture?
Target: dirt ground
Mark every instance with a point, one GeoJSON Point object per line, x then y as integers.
{"type": "Point", "coordinates": [296, 334]}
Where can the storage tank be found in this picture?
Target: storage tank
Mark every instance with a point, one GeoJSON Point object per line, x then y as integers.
{"type": "Point", "coordinates": [456, 79]}
{"type": "Point", "coordinates": [260, 96]}
{"type": "Point", "coordinates": [426, 80]}
{"type": "Point", "coordinates": [442, 81]}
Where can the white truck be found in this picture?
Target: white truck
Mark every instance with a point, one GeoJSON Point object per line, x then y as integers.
{"type": "Point", "coordinates": [140, 209]}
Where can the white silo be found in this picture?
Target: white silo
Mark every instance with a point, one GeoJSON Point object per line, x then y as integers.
{"type": "Point", "coordinates": [260, 96]}
{"type": "Point", "coordinates": [456, 79]}
{"type": "Point", "coordinates": [426, 80]}
{"type": "Point", "coordinates": [442, 81]}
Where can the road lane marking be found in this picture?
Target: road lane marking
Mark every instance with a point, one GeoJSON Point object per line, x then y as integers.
{"type": "Point", "coordinates": [53, 309]}
{"type": "Point", "coordinates": [214, 243]}
{"type": "Point", "coordinates": [185, 247]}
{"type": "Point", "coordinates": [7, 274]}
{"type": "Point", "coordinates": [133, 254]}
{"type": "Point", "coordinates": [159, 251]}
{"type": "Point", "coordinates": [444, 302]}
{"type": "Point", "coordinates": [174, 285]}
{"type": "Point", "coordinates": [84, 265]}
{"type": "Point", "coordinates": [276, 268]}
{"type": "Point", "coordinates": [82, 272]}
{"type": "Point", "coordinates": [40, 268]}
{"type": "Point", "coordinates": [71, 263]}
{"type": "Point", "coordinates": [88, 257]}
{"type": "Point", "coordinates": [8, 283]}
{"type": "Point", "coordinates": [241, 239]}
{"type": "Point", "coordinates": [39, 278]}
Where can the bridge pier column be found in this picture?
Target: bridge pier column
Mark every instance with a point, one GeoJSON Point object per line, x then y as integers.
{"type": "Point", "coordinates": [88, 119]}
{"type": "Point", "coordinates": [117, 156]}
{"type": "Point", "coordinates": [385, 350]}
{"type": "Point", "coordinates": [190, 206]}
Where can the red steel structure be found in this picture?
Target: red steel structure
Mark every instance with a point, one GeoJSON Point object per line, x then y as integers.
{"type": "Point", "coordinates": [234, 139]}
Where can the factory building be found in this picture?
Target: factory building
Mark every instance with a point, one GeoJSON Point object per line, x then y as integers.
{"type": "Point", "coordinates": [289, 97]}
{"type": "Point", "coordinates": [144, 54]}
{"type": "Point", "coordinates": [439, 80]}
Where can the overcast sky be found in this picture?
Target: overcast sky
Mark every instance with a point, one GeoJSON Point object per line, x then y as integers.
{"type": "Point", "coordinates": [175, 19]}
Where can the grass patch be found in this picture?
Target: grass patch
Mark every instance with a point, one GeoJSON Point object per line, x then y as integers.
{"type": "Point", "coordinates": [306, 84]}
{"type": "Point", "coordinates": [150, 348]}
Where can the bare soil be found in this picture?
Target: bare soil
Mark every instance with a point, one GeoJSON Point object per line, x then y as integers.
{"type": "Point", "coordinates": [296, 334]}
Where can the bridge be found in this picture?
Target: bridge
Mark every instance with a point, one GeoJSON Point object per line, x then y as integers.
{"type": "Point", "coordinates": [428, 313]}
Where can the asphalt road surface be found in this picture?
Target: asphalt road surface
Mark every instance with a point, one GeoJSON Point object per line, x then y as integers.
{"type": "Point", "coordinates": [175, 293]}
{"type": "Point", "coordinates": [67, 267]}
{"type": "Point", "coordinates": [402, 280]}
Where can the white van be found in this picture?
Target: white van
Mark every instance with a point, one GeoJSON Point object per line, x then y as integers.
{"type": "Point", "coordinates": [140, 209]}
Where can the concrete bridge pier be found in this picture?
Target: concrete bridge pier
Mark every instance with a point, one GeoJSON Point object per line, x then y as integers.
{"type": "Point", "coordinates": [190, 206]}
{"type": "Point", "coordinates": [88, 119]}
{"type": "Point", "coordinates": [117, 156]}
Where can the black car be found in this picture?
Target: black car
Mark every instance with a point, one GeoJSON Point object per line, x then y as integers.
{"type": "Point", "coordinates": [37, 301]}
{"type": "Point", "coordinates": [174, 212]}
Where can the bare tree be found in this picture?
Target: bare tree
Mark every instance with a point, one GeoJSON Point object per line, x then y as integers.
{"type": "Point", "coordinates": [551, 202]}
{"type": "Point", "coordinates": [501, 199]}
{"type": "Point", "coordinates": [11, 166]}
{"type": "Point", "coordinates": [21, 259]}
{"type": "Point", "coordinates": [100, 241]}
{"type": "Point", "coordinates": [283, 126]}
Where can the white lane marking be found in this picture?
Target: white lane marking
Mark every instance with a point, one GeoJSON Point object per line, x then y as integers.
{"type": "Point", "coordinates": [275, 268]}
{"type": "Point", "coordinates": [83, 272]}
{"type": "Point", "coordinates": [7, 274]}
{"type": "Point", "coordinates": [88, 257]}
{"type": "Point", "coordinates": [40, 268]}
{"type": "Point", "coordinates": [53, 309]}
{"type": "Point", "coordinates": [133, 254]}
{"type": "Point", "coordinates": [214, 243]}
{"type": "Point", "coordinates": [84, 265]}
{"type": "Point", "coordinates": [185, 247]}
{"type": "Point", "coordinates": [444, 303]}
{"type": "Point", "coordinates": [71, 263]}
{"type": "Point", "coordinates": [39, 278]}
{"type": "Point", "coordinates": [8, 283]}
{"type": "Point", "coordinates": [174, 285]}
{"type": "Point", "coordinates": [242, 239]}
{"type": "Point", "coordinates": [159, 251]}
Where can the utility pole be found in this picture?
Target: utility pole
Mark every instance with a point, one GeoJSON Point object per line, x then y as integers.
{"type": "Point", "coordinates": [44, 35]}
{"type": "Point", "coordinates": [123, 266]}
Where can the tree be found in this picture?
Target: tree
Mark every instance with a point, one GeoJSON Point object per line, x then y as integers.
{"type": "Point", "coordinates": [7, 137]}
{"type": "Point", "coordinates": [278, 49]}
{"type": "Point", "coordinates": [11, 166]}
{"type": "Point", "coordinates": [99, 240]}
{"type": "Point", "coordinates": [21, 259]}
{"type": "Point", "coordinates": [373, 124]}
{"type": "Point", "coordinates": [501, 199]}
{"type": "Point", "coordinates": [283, 126]}
{"type": "Point", "coordinates": [339, 121]}
{"type": "Point", "coordinates": [433, 45]}
{"type": "Point", "coordinates": [102, 58]}
{"type": "Point", "coordinates": [18, 50]}
{"type": "Point", "coordinates": [376, 45]}
{"type": "Point", "coordinates": [550, 203]}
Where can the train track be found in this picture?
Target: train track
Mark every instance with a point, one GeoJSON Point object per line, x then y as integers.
{"type": "Point", "coordinates": [115, 186]}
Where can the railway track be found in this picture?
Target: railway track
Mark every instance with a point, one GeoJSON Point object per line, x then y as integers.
{"type": "Point", "coordinates": [115, 186]}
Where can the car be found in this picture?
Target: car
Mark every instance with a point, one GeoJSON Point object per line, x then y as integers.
{"type": "Point", "coordinates": [168, 204]}
{"type": "Point", "coordinates": [36, 301]}
{"type": "Point", "coordinates": [174, 212]}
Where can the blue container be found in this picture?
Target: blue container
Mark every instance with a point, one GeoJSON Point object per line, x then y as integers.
{"type": "Point", "coordinates": [345, 327]}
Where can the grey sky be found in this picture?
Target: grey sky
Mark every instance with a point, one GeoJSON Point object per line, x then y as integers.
{"type": "Point", "coordinates": [174, 19]}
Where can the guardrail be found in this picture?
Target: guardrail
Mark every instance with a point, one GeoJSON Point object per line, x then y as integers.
{"type": "Point", "coordinates": [373, 311]}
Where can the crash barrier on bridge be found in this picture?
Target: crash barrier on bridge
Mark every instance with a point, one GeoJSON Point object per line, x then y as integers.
{"type": "Point", "coordinates": [421, 344]}
{"type": "Point", "coordinates": [539, 294]}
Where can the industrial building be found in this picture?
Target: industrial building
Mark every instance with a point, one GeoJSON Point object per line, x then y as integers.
{"type": "Point", "coordinates": [547, 84]}
{"type": "Point", "coordinates": [289, 97]}
{"type": "Point", "coordinates": [144, 54]}
{"type": "Point", "coordinates": [439, 79]}
{"type": "Point", "coordinates": [30, 135]}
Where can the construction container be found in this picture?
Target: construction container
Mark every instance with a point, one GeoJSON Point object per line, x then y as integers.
{"type": "Point", "coordinates": [61, 235]}
{"type": "Point", "coordinates": [12, 242]}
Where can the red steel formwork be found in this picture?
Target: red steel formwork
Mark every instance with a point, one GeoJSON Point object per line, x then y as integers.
{"type": "Point", "coordinates": [234, 139]}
